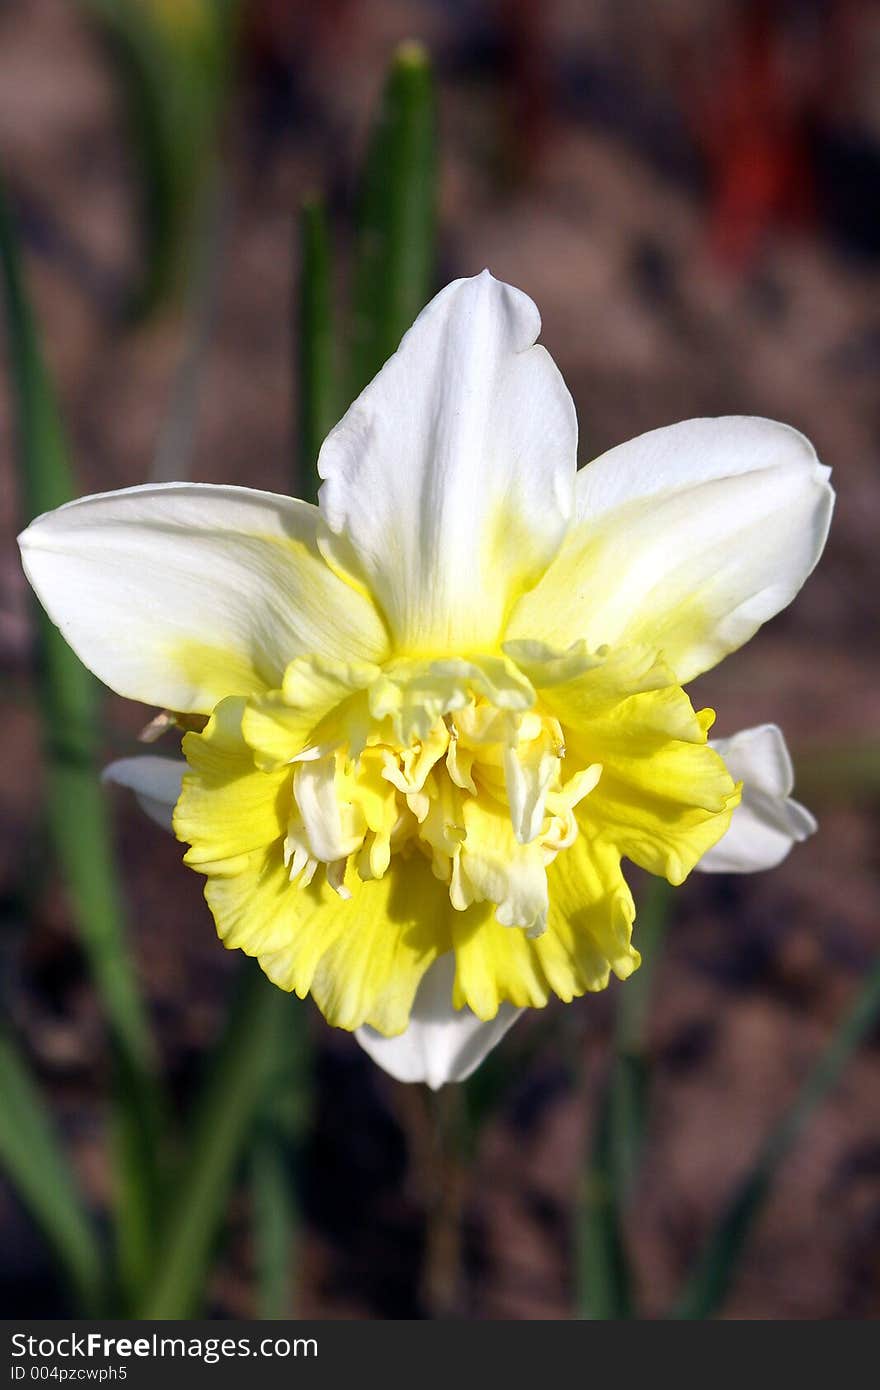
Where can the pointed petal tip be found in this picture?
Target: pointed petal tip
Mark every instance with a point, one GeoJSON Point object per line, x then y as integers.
{"type": "Point", "coordinates": [768, 822]}
{"type": "Point", "coordinates": [471, 409]}
{"type": "Point", "coordinates": [441, 1044]}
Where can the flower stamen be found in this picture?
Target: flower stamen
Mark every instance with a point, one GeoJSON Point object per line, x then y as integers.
{"type": "Point", "coordinates": [479, 792]}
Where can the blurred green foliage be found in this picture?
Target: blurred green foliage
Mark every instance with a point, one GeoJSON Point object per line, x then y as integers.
{"type": "Point", "coordinates": [318, 388]}
{"type": "Point", "coordinates": [173, 61]}
{"type": "Point", "coordinates": [606, 1279]}
{"type": "Point", "coordinates": [73, 800]}
{"type": "Point", "coordinates": [396, 236]}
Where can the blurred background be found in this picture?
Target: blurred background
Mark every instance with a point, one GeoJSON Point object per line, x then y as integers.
{"type": "Point", "coordinates": [690, 191]}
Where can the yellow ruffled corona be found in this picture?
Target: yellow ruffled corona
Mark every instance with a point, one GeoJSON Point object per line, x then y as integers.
{"type": "Point", "coordinates": [353, 836]}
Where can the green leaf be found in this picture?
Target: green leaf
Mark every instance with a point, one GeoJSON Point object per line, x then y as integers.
{"type": "Point", "coordinates": [173, 68]}
{"type": "Point", "coordinates": [174, 452]}
{"type": "Point", "coordinates": [75, 807]}
{"type": "Point", "coordinates": [275, 1224]}
{"type": "Point", "coordinates": [716, 1270]}
{"type": "Point", "coordinates": [395, 256]}
{"type": "Point", "coordinates": [317, 378]}
{"type": "Point", "coordinates": [223, 1128]}
{"type": "Point", "coordinates": [35, 1164]}
{"type": "Point", "coordinates": [629, 1089]}
{"type": "Point", "coordinates": [603, 1275]}
{"type": "Point", "coordinates": [604, 1279]}
{"type": "Point", "coordinates": [281, 1127]}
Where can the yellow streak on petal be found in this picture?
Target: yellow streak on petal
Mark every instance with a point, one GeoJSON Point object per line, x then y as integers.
{"type": "Point", "coordinates": [210, 668]}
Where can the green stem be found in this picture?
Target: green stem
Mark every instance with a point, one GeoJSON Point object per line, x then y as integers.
{"type": "Point", "coordinates": [441, 1277]}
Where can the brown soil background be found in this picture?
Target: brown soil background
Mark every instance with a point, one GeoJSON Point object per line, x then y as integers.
{"type": "Point", "coordinates": [571, 167]}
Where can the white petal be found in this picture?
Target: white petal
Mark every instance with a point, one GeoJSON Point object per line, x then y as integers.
{"type": "Point", "coordinates": [450, 480]}
{"type": "Point", "coordinates": [155, 781]}
{"type": "Point", "coordinates": [441, 1044]}
{"type": "Point", "coordinates": [178, 594]}
{"type": "Point", "coordinates": [687, 539]}
{"type": "Point", "coordinates": [767, 822]}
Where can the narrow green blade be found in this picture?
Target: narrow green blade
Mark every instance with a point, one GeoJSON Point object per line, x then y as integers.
{"type": "Point", "coordinates": [395, 258]}
{"type": "Point", "coordinates": [275, 1224]}
{"type": "Point", "coordinates": [173, 459]}
{"type": "Point", "coordinates": [630, 1078]}
{"type": "Point", "coordinates": [706, 1290]}
{"type": "Point", "coordinates": [35, 1164]}
{"type": "Point", "coordinates": [75, 806]}
{"type": "Point", "coordinates": [318, 403]}
{"type": "Point", "coordinates": [604, 1283]}
{"type": "Point", "coordinates": [223, 1129]}
{"type": "Point", "coordinates": [282, 1124]}
{"type": "Point", "coordinates": [173, 66]}
{"type": "Point", "coordinates": [604, 1280]}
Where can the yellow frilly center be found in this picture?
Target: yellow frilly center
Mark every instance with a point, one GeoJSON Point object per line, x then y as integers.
{"type": "Point", "coordinates": [362, 821]}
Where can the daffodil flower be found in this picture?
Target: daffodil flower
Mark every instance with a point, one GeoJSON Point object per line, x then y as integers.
{"type": "Point", "coordinates": [429, 718]}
